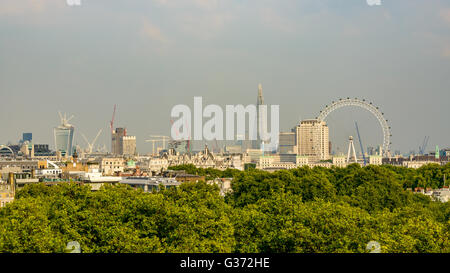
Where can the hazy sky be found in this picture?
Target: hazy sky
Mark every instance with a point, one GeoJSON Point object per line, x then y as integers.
{"type": "Point", "coordinates": [148, 55]}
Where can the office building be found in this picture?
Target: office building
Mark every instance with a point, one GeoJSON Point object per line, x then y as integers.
{"type": "Point", "coordinates": [129, 145]}
{"type": "Point", "coordinates": [178, 146]}
{"type": "Point", "coordinates": [117, 141]}
{"type": "Point", "coordinates": [7, 190]}
{"type": "Point", "coordinates": [287, 143]}
{"type": "Point", "coordinates": [121, 143]}
{"type": "Point", "coordinates": [27, 137]}
{"type": "Point", "coordinates": [63, 135]}
{"type": "Point", "coordinates": [233, 149]}
{"type": "Point", "coordinates": [312, 140]}
{"type": "Point", "coordinates": [110, 166]}
{"type": "Point", "coordinates": [42, 150]}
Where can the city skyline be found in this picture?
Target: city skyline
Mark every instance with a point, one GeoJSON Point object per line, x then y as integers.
{"type": "Point", "coordinates": [200, 144]}
{"type": "Point", "coordinates": [149, 56]}
{"type": "Point", "coordinates": [243, 128]}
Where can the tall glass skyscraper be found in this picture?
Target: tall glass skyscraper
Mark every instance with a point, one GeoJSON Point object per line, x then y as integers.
{"type": "Point", "coordinates": [64, 136]}
{"type": "Point", "coordinates": [27, 137]}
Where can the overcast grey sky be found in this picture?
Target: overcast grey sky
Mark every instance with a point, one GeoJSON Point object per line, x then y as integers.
{"type": "Point", "coordinates": [148, 55]}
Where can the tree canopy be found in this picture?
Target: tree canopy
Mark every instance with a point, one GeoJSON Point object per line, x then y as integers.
{"type": "Point", "coordinates": [298, 210]}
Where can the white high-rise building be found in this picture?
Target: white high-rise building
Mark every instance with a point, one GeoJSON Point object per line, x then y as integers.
{"type": "Point", "coordinates": [312, 140]}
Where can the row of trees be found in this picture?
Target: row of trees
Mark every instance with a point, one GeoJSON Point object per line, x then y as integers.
{"type": "Point", "coordinates": [427, 176]}
{"type": "Point", "coordinates": [299, 210]}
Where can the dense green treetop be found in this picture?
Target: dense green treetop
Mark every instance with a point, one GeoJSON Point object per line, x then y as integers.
{"type": "Point", "coordinates": [298, 210]}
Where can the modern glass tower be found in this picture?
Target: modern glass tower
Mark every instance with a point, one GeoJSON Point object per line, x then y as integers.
{"type": "Point", "coordinates": [64, 136]}
{"type": "Point", "coordinates": [27, 137]}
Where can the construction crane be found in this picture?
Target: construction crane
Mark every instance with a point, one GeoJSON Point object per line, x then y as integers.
{"type": "Point", "coordinates": [424, 145]}
{"type": "Point", "coordinates": [91, 144]}
{"type": "Point", "coordinates": [64, 119]}
{"type": "Point", "coordinates": [103, 149]}
{"type": "Point", "coordinates": [176, 132]}
{"type": "Point", "coordinates": [163, 138]}
{"type": "Point", "coordinates": [360, 143]}
{"type": "Point", "coordinates": [188, 140]}
{"type": "Point", "coordinates": [111, 123]}
{"type": "Point", "coordinates": [153, 144]}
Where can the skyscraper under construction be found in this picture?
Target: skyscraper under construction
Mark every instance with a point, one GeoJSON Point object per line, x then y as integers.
{"type": "Point", "coordinates": [121, 143]}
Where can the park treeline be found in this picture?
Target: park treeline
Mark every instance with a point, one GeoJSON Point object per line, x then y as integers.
{"type": "Point", "coordinates": [299, 210]}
